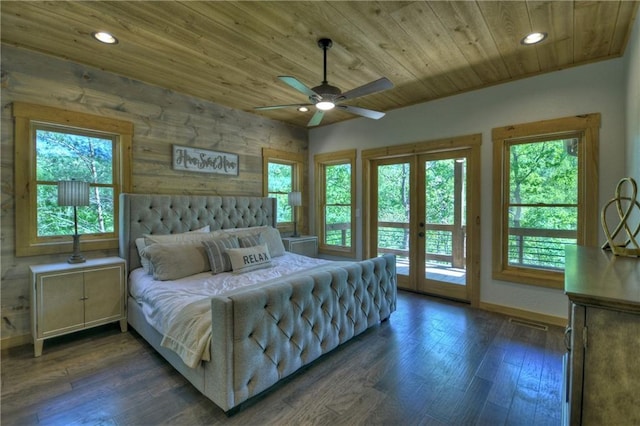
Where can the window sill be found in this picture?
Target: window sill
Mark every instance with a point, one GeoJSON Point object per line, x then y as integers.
{"type": "Point", "coordinates": [39, 249]}
{"type": "Point", "coordinates": [539, 278]}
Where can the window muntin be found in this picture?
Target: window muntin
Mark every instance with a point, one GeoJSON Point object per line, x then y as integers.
{"type": "Point", "coordinates": [335, 198]}
{"type": "Point", "coordinates": [545, 196]}
{"type": "Point", "coordinates": [63, 154]}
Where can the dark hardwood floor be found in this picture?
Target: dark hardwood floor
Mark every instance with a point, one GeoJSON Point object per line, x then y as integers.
{"type": "Point", "coordinates": [433, 362]}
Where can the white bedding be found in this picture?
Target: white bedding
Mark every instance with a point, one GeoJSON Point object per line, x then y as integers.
{"type": "Point", "coordinates": [183, 304]}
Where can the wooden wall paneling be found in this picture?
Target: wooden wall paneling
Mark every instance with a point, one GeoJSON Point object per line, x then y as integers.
{"type": "Point", "coordinates": [160, 118]}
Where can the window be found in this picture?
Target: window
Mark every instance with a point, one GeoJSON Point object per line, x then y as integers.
{"type": "Point", "coordinates": [545, 197]}
{"type": "Point", "coordinates": [335, 197]}
{"type": "Point", "coordinates": [282, 173]}
{"type": "Point", "coordinates": [54, 145]}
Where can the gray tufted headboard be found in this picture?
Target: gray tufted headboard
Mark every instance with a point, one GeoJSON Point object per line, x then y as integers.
{"type": "Point", "coordinates": [171, 214]}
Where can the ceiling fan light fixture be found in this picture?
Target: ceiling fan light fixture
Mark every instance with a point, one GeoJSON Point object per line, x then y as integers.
{"type": "Point", "coordinates": [104, 37]}
{"type": "Point", "coordinates": [325, 105]}
{"type": "Point", "coordinates": [533, 38]}
{"type": "Point", "coordinates": [326, 97]}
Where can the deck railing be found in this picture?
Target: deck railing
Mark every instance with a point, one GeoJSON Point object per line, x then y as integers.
{"type": "Point", "coordinates": [446, 245]}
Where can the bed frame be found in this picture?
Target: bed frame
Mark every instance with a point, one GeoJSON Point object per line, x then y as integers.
{"type": "Point", "coordinates": [260, 335]}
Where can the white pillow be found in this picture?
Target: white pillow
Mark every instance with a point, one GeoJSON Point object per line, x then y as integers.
{"type": "Point", "coordinates": [250, 240]}
{"type": "Point", "coordinates": [250, 258]}
{"type": "Point", "coordinates": [271, 236]}
{"type": "Point", "coordinates": [239, 232]}
{"type": "Point", "coordinates": [173, 261]}
{"type": "Point", "coordinates": [143, 242]}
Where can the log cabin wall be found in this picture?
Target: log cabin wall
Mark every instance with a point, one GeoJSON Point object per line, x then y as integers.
{"type": "Point", "coordinates": [160, 117]}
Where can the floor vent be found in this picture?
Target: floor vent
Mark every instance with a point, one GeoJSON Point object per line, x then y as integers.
{"type": "Point", "coordinates": [531, 324]}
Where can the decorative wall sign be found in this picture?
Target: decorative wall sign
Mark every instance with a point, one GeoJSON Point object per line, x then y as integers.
{"type": "Point", "coordinates": [204, 161]}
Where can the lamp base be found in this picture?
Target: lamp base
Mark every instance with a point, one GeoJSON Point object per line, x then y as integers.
{"type": "Point", "coordinates": [76, 257]}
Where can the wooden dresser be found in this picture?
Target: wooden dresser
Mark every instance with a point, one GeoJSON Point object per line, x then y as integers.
{"type": "Point", "coordinates": [603, 380]}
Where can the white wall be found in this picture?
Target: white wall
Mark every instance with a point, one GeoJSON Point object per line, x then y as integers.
{"type": "Point", "coordinates": [632, 57]}
{"type": "Point", "coordinates": [587, 89]}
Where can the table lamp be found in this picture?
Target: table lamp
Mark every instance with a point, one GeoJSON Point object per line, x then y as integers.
{"type": "Point", "coordinates": [295, 200]}
{"type": "Point", "coordinates": [74, 193]}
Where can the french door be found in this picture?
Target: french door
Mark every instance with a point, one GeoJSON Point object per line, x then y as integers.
{"type": "Point", "coordinates": [424, 208]}
{"type": "Point", "coordinates": [441, 190]}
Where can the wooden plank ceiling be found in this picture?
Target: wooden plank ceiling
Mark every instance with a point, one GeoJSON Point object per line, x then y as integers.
{"type": "Point", "coordinates": [232, 52]}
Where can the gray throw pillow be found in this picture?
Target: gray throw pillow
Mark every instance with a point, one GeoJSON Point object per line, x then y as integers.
{"type": "Point", "coordinates": [217, 253]}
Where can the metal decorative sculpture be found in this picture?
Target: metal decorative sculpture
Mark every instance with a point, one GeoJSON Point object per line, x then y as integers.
{"type": "Point", "coordinates": [625, 207]}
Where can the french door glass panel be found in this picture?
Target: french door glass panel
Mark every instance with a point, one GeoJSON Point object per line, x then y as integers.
{"type": "Point", "coordinates": [393, 215]}
{"type": "Point", "coordinates": [442, 229]}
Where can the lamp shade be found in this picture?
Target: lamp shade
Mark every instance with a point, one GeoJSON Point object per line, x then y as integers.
{"type": "Point", "coordinates": [295, 198]}
{"type": "Point", "coordinates": [73, 193]}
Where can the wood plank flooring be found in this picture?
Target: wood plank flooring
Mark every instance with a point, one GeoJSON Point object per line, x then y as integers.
{"type": "Point", "coordinates": [435, 362]}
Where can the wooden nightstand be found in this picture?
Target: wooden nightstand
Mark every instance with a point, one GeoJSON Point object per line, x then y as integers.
{"type": "Point", "coordinates": [71, 297]}
{"type": "Point", "coordinates": [306, 245]}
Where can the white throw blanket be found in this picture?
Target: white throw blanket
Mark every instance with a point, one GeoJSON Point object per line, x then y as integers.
{"type": "Point", "coordinates": [180, 310]}
{"type": "Point", "coordinates": [189, 335]}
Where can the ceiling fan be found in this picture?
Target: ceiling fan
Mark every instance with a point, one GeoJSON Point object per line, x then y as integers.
{"type": "Point", "coordinates": [326, 97]}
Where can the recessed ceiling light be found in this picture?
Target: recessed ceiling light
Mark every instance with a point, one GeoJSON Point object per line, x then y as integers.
{"type": "Point", "coordinates": [533, 38]}
{"type": "Point", "coordinates": [303, 109]}
{"type": "Point", "coordinates": [104, 37]}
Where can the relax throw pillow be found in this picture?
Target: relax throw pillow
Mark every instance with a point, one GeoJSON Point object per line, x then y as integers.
{"type": "Point", "coordinates": [250, 258]}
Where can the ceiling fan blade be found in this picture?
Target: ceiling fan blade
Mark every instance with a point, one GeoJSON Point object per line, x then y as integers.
{"type": "Point", "coordinates": [316, 119]}
{"type": "Point", "coordinates": [281, 106]}
{"type": "Point", "coordinates": [297, 84]}
{"type": "Point", "coordinates": [367, 89]}
{"type": "Point", "coordinates": [369, 113]}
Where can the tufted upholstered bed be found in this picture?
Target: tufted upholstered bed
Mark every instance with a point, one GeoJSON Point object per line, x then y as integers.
{"type": "Point", "coordinates": [266, 332]}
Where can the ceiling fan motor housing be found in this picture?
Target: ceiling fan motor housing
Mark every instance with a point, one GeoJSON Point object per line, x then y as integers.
{"type": "Point", "coordinates": [325, 92]}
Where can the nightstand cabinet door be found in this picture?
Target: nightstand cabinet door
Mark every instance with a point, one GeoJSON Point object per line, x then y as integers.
{"type": "Point", "coordinates": [70, 297]}
{"type": "Point", "coordinates": [60, 307]}
{"type": "Point", "coordinates": [103, 296]}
